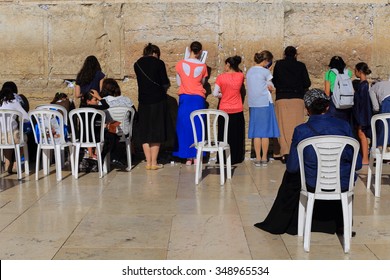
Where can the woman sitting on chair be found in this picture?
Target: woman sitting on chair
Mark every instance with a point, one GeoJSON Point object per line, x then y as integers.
{"type": "Point", "coordinates": [8, 102]}
{"type": "Point", "coordinates": [283, 216]}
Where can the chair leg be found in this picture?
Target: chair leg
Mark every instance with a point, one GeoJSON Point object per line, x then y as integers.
{"type": "Point", "coordinates": [346, 215]}
{"type": "Point", "coordinates": [198, 167]}
{"type": "Point", "coordinates": [18, 162]}
{"type": "Point", "coordinates": [63, 157]}
{"type": "Point", "coordinates": [26, 160]}
{"type": "Point", "coordinates": [128, 154]}
{"type": "Point", "coordinates": [378, 178]}
{"type": "Point", "coordinates": [1, 161]}
{"type": "Point", "coordinates": [46, 161]}
{"type": "Point", "coordinates": [58, 162]}
{"type": "Point", "coordinates": [301, 213]}
{"type": "Point", "coordinates": [369, 173]}
{"type": "Point", "coordinates": [308, 221]}
{"type": "Point", "coordinates": [221, 166]}
{"type": "Point", "coordinates": [71, 155]}
{"type": "Point", "coordinates": [100, 163]}
{"type": "Point", "coordinates": [228, 163]}
{"type": "Point", "coordinates": [76, 161]}
{"type": "Point", "coordinates": [37, 162]}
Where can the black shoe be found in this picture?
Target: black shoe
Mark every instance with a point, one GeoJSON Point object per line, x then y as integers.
{"type": "Point", "coordinates": [284, 158]}
{"type": "Point", "coordinates": [118, 163]}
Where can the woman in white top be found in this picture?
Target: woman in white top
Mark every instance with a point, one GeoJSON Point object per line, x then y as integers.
{"type": "Point", "coordinates": [8, 102]}
{"type": "Point", "coordinates": [262, 119]}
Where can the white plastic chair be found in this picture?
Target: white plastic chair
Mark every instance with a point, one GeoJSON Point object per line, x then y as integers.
{"type": "Point", "coordinates": [125, 116]}
{"type": "Point", "coordinates": [49, 135]}
{"type": "Point", "coordinates": [57, 107]}
{"type": "Point", "coordinates": [328, 150]}
{"type": "Point", "coordinates": [378, 153]}
{"type": "Point", "coordinates": [64, 112]}
{"type": "Point", "coordinates": [12, 137]}
{"type": "Point", "coordinates": [83, 120]}
{"type": "Point", "coordinates": [208, 120]}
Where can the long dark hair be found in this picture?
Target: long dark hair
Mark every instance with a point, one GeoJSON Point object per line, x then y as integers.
{"type": "Point", "coordinates": [58, 96]}
{"type": "Point", "coordinates": [6, 95]}
{"type": "Point", "coordinates": [338, 63]}
{"type": "Point", "coordinates": [88, 71]}
{"type": "Point", "coordinates": [234, 62]}
{"type": "Point", "coordinates": [11, 85]}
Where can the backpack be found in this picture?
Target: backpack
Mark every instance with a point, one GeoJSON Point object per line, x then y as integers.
{"type": "Point", "coordinates": [343, 91]}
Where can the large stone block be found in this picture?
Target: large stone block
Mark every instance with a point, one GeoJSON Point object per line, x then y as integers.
{"type": "Point", "coordinates": [171, 27]}
{"type": "Point", "coordinates": [247, 28]}
{"type": "Point", "coordinates": [23, 51]}
{"type": "Point", "coordinates": [380, 59]}
{"type": "Point", "coordinates": [321, 31]}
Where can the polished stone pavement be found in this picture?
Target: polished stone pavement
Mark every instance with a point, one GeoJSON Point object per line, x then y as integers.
{"type": "Point", "coordinates": [162, 214]}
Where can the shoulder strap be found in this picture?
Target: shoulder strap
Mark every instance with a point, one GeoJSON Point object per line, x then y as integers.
{"type": "Point", "coordinates": [136, 63]}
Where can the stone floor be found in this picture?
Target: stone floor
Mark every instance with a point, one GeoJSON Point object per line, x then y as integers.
{"type": "Point", "coordinates": [163, 215]}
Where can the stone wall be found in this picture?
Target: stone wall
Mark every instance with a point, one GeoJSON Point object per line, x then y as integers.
{"type": "Point", "coordinates": [46, 42]}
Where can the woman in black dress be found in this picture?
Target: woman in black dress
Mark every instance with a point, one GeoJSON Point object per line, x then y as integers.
{"type": "Point", "coordinates": [362, 108]}
{"type": "Point", "coordinates": [153, 83]}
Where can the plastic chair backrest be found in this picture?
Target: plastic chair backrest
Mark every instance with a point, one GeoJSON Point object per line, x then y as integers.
{"type": "Point", "coordinates": [48, 126]}
{"type": "Point", "coordinates": [125, 116]}
{"type": "Point", "coordinates": [384, 118]}
{"type": "Point", "coordinates": [11, 122]}
{"type": "Point", "coordinates": [208, 119]}
{"type": "Point", "coordinates": [328, 149]}
{"type": "Point", "coordinates": [57, 107]}
{"type": "Point", "coordinates": [86, 119]}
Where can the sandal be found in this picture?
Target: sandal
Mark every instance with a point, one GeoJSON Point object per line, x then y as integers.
{"type": "Point", "coordinates": [93, 157]}
{"type": "Point", "coordinates": [157, 166]}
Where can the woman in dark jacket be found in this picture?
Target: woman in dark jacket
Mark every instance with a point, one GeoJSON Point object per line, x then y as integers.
{"type": "Point", "coordinates": [291, 80]}
{"type": "Point", "coordinates": [153, 83]}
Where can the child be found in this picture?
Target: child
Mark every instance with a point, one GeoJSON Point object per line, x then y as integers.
{"type": "Point", "coordinates": [91, 100]}
{"type": "Point", "coordinates": [362, 109]}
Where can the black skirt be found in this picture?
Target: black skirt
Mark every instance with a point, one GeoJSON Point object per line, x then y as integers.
{"type": "Point", "coordinates": [236, 136]}
{"type": "Point", "coordinates": [152, 122]}
{"type": "Point", "coordinates": [283, 216]}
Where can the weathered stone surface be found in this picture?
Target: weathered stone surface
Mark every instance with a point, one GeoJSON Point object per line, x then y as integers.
{"type": "Point", "coordinates": [45, 42]}
{"type": "Point", "coordinates": [348, 33]}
